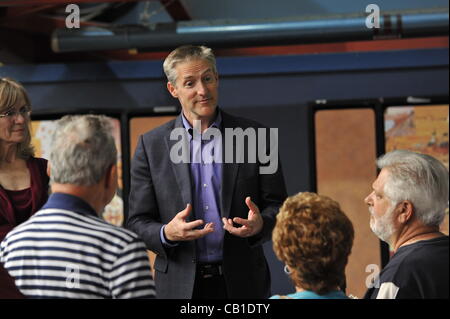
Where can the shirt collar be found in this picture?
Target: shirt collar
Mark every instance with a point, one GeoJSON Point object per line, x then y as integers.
{"type": "Point", "coordinates": [216, 123]}
{"type": "Point", "coordinates": [69, 202]}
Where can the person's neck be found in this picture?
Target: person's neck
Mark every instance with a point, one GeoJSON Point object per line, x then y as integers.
{"type": "Point", "coordinates": [415, 232]}
{"type": "Point", "coordinates": [90, 194]}
{"type": "Point", "coordinates": [8, 153]}
{"type": "Point", "coordinates": [205, 121]}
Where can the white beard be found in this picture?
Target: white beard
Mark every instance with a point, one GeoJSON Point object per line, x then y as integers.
{"type": "Point", "coordinates": [383, 227]}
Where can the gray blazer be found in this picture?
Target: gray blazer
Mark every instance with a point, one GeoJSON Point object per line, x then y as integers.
{"type": "Point", "coordinates": [160, 189]}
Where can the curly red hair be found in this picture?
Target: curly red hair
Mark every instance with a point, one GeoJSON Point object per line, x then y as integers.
{"type": "Point", "coordinates": [314, 238]}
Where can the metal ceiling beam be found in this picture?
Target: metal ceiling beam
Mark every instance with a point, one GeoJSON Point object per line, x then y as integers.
{"type": "Point", "coordinates": [333, 47]}
{"type": "Point", "coordinates": [250, 33]}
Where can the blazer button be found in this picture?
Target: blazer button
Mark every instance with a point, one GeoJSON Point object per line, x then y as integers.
{"type": "Point", "coordinates": [193, 260]}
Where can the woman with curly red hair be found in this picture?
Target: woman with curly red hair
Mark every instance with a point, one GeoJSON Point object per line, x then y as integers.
{"type": "Point", "coordinates": [313, 238]}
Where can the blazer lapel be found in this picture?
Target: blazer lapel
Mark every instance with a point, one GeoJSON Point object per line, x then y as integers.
{"type": "Point", "coordinates": [181, 170]}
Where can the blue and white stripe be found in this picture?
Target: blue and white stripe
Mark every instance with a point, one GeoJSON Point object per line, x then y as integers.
{"type": "Point", "coordinates": [63, 254]}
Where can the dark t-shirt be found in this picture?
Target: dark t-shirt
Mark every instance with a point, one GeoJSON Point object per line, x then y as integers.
{"type": "Point", "coordinates": [416, 271]}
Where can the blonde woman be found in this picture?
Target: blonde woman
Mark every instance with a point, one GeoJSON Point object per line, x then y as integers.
{"type": "Point", "coordinates": [23, 178]}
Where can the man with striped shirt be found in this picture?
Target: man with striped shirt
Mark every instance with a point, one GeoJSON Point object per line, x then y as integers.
{"type": "Point", "coordinates": [66, 250]}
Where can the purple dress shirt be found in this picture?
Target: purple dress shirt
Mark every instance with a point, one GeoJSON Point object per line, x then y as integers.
{"type": "Point", "coordinates": [206, 178]}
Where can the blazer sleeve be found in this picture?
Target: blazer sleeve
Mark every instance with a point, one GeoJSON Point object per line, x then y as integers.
{"type": "Point", "coordinates": [143, 215]}
{"type": "Point", "coordinates": [272, 193]}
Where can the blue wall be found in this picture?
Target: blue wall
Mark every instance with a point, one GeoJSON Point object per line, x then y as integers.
{"type": "Point", "coordinates": [245, 81]}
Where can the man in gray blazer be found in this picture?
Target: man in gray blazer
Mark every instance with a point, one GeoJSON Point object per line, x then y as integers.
{"type": "Point", "coordinates": [204, 215]}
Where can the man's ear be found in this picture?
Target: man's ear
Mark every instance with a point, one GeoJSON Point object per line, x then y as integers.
{"type": "Point", "coordinates": [172, 89]}
{"type": "Point", "coordinates": [406, 211]}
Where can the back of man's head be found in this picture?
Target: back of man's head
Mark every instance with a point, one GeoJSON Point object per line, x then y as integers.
{"type": "Point", "coordinates": [83, 149]}
{"type": "Point", "coordinates": [419, 178]}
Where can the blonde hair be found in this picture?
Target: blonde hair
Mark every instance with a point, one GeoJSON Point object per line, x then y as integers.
{"type": "Point", "coordinates": [11, 93]}
{"type": "Point", "coordinates": [314, 238]}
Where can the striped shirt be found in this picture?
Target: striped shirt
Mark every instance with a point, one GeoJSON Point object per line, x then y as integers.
{"type": "Point", "coordinates": [66, 251]}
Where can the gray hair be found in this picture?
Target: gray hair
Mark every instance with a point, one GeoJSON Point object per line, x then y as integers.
{"type": "Point", "coordinates": [419, 178]}
{"type": "Point", "coordinates": [83, 149]}
{"type": "Point", "coordinates": [187, 53]}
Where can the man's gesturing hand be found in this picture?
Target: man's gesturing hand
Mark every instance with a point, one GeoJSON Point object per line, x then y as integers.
{"type": "Point", "coordinates": [178, 229]}
{"type": "Point", "coordinates": [250, 226]}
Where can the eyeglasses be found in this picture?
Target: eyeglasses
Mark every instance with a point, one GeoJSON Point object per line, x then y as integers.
{"type": "Point", "coordinates": [24, 111]}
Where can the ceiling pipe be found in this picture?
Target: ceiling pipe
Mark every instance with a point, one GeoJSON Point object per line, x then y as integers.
{"type": "Point", "coordinates": [231, 33]}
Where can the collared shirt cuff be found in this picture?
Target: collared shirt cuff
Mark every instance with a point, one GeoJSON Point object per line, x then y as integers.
{"type": "Point", "coordinates": [164, 240]}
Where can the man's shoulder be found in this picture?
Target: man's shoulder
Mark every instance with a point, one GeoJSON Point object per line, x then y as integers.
{"type": "Point", "coordinates": [72, 222]}
{"type": "Point", "coordinates": [123, 234]}
{"type": "Point", "coordinates": [412, 269]}
{"type": "Point", "coordinates": [427, 253]}
{"type": "Point", "coordinates": [408, 259]}
{"type": "Point", "coordinates": [117, 234]}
